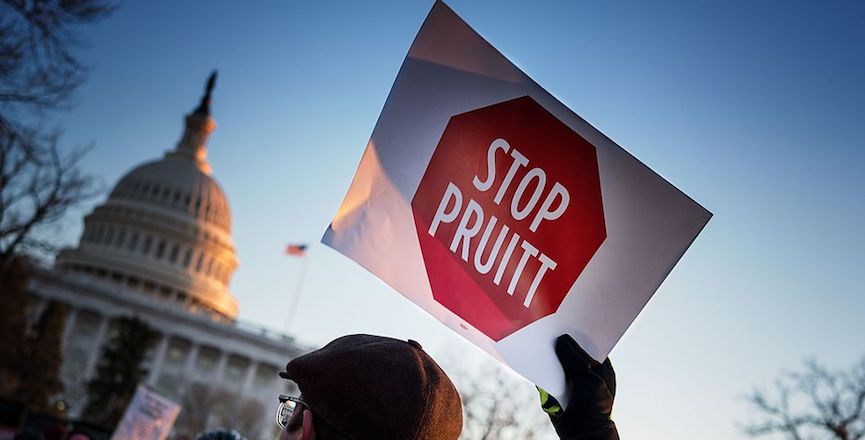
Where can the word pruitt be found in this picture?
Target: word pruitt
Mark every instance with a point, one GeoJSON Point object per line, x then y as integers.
{"type": "Point", "coordinates": [523, 202]}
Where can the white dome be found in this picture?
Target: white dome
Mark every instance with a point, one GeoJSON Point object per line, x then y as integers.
{"type": "Point", "coordinates": [165, 229]}
{"type": "Point", "coordinates": [179, 185]}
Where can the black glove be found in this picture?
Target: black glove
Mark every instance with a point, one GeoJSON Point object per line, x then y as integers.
{"type": "Point", "coordinates": [593, 387]}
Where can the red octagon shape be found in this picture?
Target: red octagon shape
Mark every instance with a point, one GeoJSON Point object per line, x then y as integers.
{"type": "Point", "coordinates": [462, 199]}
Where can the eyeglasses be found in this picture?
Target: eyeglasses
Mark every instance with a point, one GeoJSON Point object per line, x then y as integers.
{"type": "Point", "coordinates": [287, 406]}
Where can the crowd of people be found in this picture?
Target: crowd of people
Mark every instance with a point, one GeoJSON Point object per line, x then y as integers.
{"type": "Point", "coordinates": [372, 387]}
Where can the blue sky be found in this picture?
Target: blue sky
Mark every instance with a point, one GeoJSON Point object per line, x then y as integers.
{"type": "Point", "coordinates": [755, 109]}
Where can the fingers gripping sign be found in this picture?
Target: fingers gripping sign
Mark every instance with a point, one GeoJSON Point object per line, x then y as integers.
{"type": "Point", "coordinates": [592, 388]}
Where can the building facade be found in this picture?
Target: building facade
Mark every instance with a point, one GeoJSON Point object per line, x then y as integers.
{"type": "Point", "coordinates": [159, 248]}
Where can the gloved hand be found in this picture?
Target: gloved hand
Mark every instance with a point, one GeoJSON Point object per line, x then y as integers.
{"type": "Point", "coordinates": [592, 386]}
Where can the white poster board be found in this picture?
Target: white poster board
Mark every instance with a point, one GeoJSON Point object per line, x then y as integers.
{"type": "Point", "coordinates": [502, 213]}
{"type": "Point", "coordinates": [148, 417]}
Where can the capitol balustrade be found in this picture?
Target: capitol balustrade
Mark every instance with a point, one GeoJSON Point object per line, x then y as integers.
{"type": "Point", "coordinates": [238, 357]}
{"type": "Point", "coordinates": [174, 363]}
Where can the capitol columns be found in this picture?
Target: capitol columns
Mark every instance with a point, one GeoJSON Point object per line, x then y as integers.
{"type": "Point", "coordinates": [97, 347]}
{"type": "Point", "coordinates": [220, 366]}
{"type": "Point", "coordinates": [248, 376]}
{"type": "Point", "coordinates": [189, 366]}
{"type": "Point", "coordinates": [71, 318]}
{"type": "Point", "coordinates": [158, 358]}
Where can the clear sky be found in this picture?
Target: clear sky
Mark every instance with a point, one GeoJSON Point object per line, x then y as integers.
{"type": "Point", "coordinates": [755, 109]}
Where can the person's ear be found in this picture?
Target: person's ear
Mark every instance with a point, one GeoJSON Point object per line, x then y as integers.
{"type": "Point", "coordinates": [308, 431]}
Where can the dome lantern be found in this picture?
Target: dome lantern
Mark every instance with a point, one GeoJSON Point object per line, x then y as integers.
{"type": "Point", "coordinates": [199, 125]}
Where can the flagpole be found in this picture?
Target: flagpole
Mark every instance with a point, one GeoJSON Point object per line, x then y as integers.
{"type": "Point", "coordinates": [298, 288]}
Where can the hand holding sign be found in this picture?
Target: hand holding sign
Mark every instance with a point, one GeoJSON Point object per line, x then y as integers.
{"type": "Point", "coordinates": [593, 389]}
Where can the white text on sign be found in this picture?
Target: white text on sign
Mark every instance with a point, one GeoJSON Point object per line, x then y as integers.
{"type": "Point", "coordinates": [523, 202]}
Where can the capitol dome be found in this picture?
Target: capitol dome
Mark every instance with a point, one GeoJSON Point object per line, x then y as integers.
{"type": "Point", "coordinates": [165, 230]}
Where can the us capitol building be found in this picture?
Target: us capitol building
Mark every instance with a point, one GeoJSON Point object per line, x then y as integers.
{"type": "Point", "coordinates": [159, 248]}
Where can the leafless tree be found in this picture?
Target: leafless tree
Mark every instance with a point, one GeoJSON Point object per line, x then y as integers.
{"type": "Point", "coordinates": [498, 405]}
{"type": "Point", "coordinates": [38, 68]}
{"type": "Point", "coordinates": [241, 414]}
{"type": "Point", "coordinates": [38, 184]}
{"type": "Point", "coordinates": [39, 71]}
{"type": "Point", "coordinates": [816, 403]}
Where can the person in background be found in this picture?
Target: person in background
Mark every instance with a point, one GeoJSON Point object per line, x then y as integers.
{"type": "Point", "coordinates": [220, 434]}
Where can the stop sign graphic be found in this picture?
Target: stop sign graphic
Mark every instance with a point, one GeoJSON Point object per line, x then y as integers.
{"type": "Point", "coordinates": [508, 214]}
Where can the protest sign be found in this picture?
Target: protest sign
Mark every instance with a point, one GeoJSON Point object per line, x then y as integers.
{"type": "Point", "coordinates": [148, 417]}
{"type": "Point", "coordinates": [502, 213]}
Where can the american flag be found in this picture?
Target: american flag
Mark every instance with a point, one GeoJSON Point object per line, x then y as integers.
{"type": "Point", "coordinates": [297, 250]}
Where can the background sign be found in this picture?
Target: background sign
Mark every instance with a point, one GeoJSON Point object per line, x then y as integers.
{"type": "Point", "coordinates": [502, 213]}
{"type": "Point", "coordinates": [148, 417]}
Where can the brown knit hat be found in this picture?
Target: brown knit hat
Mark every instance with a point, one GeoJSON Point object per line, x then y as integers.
{"type": "Point", "coordinates": [372, 387]}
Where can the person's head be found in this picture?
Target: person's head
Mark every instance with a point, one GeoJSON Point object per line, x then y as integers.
{"type": "Point", "coordinates": [220, 434]}
{"type": "Point", "coordinates": [370, 387]}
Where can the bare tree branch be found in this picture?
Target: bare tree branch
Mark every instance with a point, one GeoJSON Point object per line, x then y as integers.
{"type": "Point", "coordinates": [37, 186]}
{"type": "Point", "coordinates": [38, 72]}
{"type": "Point", "coordinates": [498, 405]}
{"type": "Point", "coordinates": [36, 39]}
{"type": "Point", "coordinates": [816, 403]}
{"type": "Point", "coordinates": [206, 407]}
